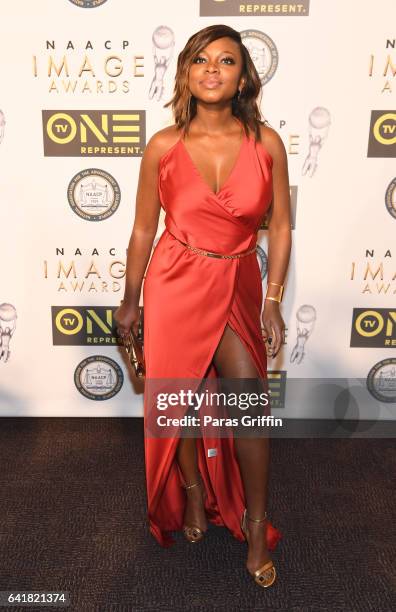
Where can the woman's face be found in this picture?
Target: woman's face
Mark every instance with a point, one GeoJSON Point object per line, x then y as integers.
{"type": "Point", "coordinates": [215, 72]}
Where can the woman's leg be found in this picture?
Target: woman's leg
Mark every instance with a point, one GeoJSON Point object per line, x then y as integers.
{"type": "Point", "coordinates": [186, 454]}
{"type": "Point", "coordinates": [232, 360]}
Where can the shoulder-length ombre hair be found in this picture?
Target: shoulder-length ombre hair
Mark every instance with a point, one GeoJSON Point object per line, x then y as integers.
{"type": "Point", "coordinates": [245, 108]}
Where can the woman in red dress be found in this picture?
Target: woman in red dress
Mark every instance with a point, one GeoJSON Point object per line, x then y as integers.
{"type": "Point", "coordinates": [216, 172]}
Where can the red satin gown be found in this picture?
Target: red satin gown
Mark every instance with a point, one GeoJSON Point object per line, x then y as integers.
{"type": "Point", "coordinates": [188, 300]}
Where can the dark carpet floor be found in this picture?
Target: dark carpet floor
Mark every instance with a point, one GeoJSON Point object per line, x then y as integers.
{"type": "Point", "coordinates": [73, 518]}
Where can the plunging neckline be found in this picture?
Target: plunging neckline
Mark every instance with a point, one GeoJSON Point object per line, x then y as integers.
{"type": "Point", "coordinates": [231, 173]}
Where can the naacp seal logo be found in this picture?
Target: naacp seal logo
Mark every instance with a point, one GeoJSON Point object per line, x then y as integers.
{"type": "Point", "coordinates": [88, 3]}
{"type": "Point", "coordinates": [93, 194]}
{"type": "Point", "coordinates": [98, 377]}
{"type": "Point", "coordinates": [263, 52]}
{"type": "Point", "coordinates": [381, 380]}
{"type": "Point", "coordinates": [390, 198]}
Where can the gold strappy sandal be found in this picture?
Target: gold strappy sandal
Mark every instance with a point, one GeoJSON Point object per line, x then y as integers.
{"type": "Point", "coordinates": [191, 532]}
{"type": "Point", "coordinates": [265, 575]}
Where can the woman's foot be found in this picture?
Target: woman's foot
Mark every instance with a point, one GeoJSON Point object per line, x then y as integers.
{"type": "Point", "coordinates": [258, 553]}
{"type": "Point", "coordinates": [259, 563]}
{"type": "Point", "coordinates": [194, 515]}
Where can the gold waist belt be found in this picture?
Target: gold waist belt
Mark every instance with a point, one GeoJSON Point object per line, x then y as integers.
{"type": "Point", "coordinates": [219, 255]}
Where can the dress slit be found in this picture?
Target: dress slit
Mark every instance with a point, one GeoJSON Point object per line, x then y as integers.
{"type": "Point", "coordinates": [217, 463]}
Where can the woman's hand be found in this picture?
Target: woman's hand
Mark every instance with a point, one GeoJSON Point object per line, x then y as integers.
{"type": "Point", "coordinates": [127, 316]}
{"type": "Point", "coordinates": [273, 327]}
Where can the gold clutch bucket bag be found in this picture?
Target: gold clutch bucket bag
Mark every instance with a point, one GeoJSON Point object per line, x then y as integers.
{"type": "Point", "coordinates": [134, 347]}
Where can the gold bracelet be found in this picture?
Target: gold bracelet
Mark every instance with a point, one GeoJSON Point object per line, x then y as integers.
{"type": "Point", "coordinates": [278, 298]}
{"type": "Point", "coordinates": [273, 299]}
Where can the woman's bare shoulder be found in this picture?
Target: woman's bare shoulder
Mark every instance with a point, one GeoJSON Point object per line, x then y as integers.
{"type": "Point", "coordinates": [272, 142]}
{"type": "Point", "coordinates": [161, 141]}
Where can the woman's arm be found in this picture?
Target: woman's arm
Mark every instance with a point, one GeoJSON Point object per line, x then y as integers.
{"type": "Point", "coordinates": [145, 223]}
{"type": "Point", "coordinates": [279, 236]}
{"type": "Point", "coordinates": [144, 229]}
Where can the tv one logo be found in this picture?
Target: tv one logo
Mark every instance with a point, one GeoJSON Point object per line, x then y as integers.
{"type": "Point", "coordinates": [382, 137]}
{"type": "Point", "coordinates": [94, 133]}
{"type": "Point", "coordinates": [374, 328]}
{"type": "Point", "coordinates": [84, 325]}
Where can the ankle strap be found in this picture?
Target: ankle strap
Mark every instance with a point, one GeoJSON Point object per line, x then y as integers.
{"type": "Point", "coordinates": [195, 484]}
{"type": "Point", "coordinates": [257, 520]}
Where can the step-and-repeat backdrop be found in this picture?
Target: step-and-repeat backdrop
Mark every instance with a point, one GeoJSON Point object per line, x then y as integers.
{"type": "Point", "coordinates": [83, 85]}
